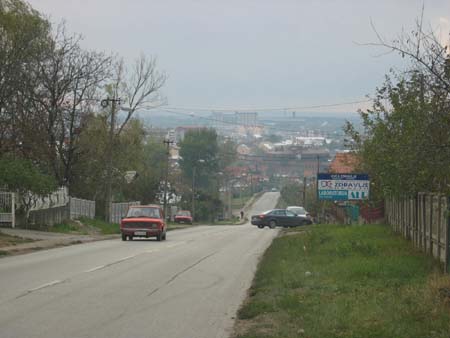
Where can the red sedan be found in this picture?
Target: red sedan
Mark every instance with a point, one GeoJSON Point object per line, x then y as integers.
{"type": "Point", "coordinates": [144, 221]}
{"type": "Point", "coordinates": [183, 216]}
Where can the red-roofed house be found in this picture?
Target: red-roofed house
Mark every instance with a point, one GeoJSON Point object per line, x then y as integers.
{"type": "Point", "coordinates": [344, 163]}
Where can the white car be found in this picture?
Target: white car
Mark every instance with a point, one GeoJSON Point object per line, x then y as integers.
{"type": "Point", "coordinates": [299, 211]}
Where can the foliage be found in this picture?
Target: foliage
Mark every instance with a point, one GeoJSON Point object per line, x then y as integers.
{"type": "Point", "coordinates": [50, 94]}
{"type": "Point", "coordinates": [405, 143]}
{"type": "Point", "coordinates": [404, 148]}
{"type": "Point", "coordinates": [227, 154]}
{"type": "Point", "coordinates": [23, 39]}
{"type": "Point", "coordinates": [22, 176]}
{"type": "Point", "coordinates": [198, 152]}
{"type": "Point", "coordinates": [292, 194]}
{"type": "Point", "coordinates": [133, 150]}
{"type": "Point", "coordinates": [199, 166]}
{"type": "Point", "coordinates": [150, 166]}
{"type": "Point", "coordinates": [105, 228]}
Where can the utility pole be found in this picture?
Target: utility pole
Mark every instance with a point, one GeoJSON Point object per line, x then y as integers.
{"type": "Point", "coordinates": [193, 193]}
{"type": "Point", "coordinates": [304, 191]}
{"type": "Point", "coordinates": [166, 178]}
{"type": "Point", "coordinates": [109, 155]}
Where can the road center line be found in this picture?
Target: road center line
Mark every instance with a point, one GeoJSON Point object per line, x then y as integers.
{"type": "Point", "coordinates": [95, 269]}
{"type": "Point", "coordinates": [100, 267]}
{"type": "Point", "coordinates": [46, 285]}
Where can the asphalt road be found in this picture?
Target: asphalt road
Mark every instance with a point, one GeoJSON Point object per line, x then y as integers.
{"type": "Point", "coordinates": [189, 286]}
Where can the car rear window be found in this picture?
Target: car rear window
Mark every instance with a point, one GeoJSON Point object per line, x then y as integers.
{"type": "Point", "coordinates": [183, 213]}
{"type": "Point", "coordinates": [144, 212]}
{"type": "Point", "coordinates": [298, 210]}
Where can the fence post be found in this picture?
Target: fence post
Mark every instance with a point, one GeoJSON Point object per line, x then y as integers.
{"type": "Point", "coordinates": [439, 223]}
{"type": "Point", "coordinates": [13, 210]}
{"type": "Point", "coordinates": [446, 264]}
{"type": "Point", "coordinates": [430, 207]}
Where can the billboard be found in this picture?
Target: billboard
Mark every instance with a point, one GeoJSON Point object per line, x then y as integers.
{"type": "Point", "coordinates": [343, 187]}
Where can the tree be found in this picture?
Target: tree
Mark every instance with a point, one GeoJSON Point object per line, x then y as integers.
{"type": "Point", "coordinates": [67, 80]}
{"type": "Point", "coordinates": [23, 39]}
{"type": "Point", "coordinates": [149, 168]}
{"type": "Point", "coordinates": [426, 52]}
{"type": "Point", "coordinates": [199, 165]}
{"type": "Point", "coordinates": [198, 151]}
{"type": "Point", "coordinates": [405, 143]}
{"type": "Point", "coordinates": [227, 154]}
{"type": "Point", "coordinates": [404, 147]}
{"type": "Point", "coordinates": [136, 89]}
{"type": "Point", "coordinates": [134, 150]}
{"type": "Point", "coordinates": [23, 177]}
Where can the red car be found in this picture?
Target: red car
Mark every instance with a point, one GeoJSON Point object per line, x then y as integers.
{"type": "Point", "coordinates": [183, 216]}
{"type": "Point", "coordinates": [144, 221]}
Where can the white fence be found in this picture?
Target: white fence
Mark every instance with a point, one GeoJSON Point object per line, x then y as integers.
{"type": "Point", "coordinates": [58, 198]}
{"type": "Point", "coordinates": [49, 216]}
{"type": "Point", "coordinates": [119, 210]}
{"type": "Point", "coordinates": [81, 208]}
{"type": "Point", "coordinates": [7, 208]}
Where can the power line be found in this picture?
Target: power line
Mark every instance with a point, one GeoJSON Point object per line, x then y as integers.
{"type": "Point", "coordinates": [256, 108]}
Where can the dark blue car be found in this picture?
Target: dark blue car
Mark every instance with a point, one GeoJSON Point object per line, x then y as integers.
{"type": "Point", "coordinates": [279, 217]}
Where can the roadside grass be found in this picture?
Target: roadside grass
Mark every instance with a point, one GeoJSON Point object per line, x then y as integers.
{"type": "Point", "coordinates": [105, 228]}
{"type": "Point", "coordinates": [7, 240]}
{"type": "Point", "coordinates": [343, 281]}
{"type": "Point", "coordinates": [68, 227]}
{"type": "Point", "coordinates": [85, 226]}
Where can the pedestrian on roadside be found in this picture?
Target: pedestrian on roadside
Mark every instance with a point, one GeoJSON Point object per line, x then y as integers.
{"type": "Point", "coordinates": [242, 214]}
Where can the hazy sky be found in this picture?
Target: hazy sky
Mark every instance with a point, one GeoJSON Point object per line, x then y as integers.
{"type": "Point", "coordinates": [257, 53]}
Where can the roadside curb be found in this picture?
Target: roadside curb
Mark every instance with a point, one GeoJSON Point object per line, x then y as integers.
{"type": "Point", "coordinates": [51, 243]}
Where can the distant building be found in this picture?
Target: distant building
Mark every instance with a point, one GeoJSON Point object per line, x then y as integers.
{"type": "Point", "coordinates": [223, 121]}
{"type": "Point", "coordinates": [344, 163]}
{"type": "Point", "coordinates": [314, 161]}
{"type": "Point", "coordinates": [247, 119]}
{"type": "Point", "coordinates": [243, 149]}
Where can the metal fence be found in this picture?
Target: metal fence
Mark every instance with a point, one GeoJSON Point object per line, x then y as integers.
{"type": "Point", "coordinates": [119, 210]}
{"type": "Point", "coordinates": [81, 208]}
{"type": "Point", "coordinates": [424, 220]}
{"type": "Point", "coordinates": [7, 208]}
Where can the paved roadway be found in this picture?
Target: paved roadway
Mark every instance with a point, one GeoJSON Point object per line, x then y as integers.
{"type": "Point", "coordinates": [189, 286]}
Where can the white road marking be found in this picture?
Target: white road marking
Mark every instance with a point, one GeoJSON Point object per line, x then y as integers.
{"type": "Point", "coordinates": [46, 285]}
{"type": "Point", "coordinates": [95, 269]}
{"type": "Point", "coordinates": [133, 256]}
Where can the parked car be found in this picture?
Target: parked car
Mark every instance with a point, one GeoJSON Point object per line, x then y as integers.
{"type": "Point", "coordinates": [279, 217]}
{"type": "Point", "coordinates": [183, 216]}
{"type": "Point", "coordinates": [144, 221]}
{"type": "Point", "coordinates": [299, 211]}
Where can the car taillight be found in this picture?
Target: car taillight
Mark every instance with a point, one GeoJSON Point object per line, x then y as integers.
{"type": "Point", "coordinates": [262, 216]}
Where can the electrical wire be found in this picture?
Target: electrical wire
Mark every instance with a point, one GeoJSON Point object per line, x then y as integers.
{"type": "Point", "coordinates": [256, 108]}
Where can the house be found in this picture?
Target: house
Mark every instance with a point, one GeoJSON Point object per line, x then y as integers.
{"type": "Point", "coordinates": [343, 163]}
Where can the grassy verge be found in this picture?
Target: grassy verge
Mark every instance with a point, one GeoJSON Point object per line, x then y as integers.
{"type": "Point", "coordinates": [7, 240]}
{"type": "Point", "coordinates": [86, 226]}
{"type": "Point", "coordinates": [68, 227]}
{"type": "Point", "coordinates": [336, 281]}
{"type": "Point", "coordinates": [103, 227]}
